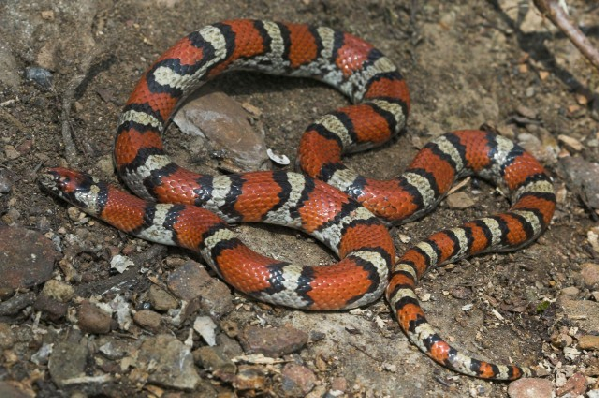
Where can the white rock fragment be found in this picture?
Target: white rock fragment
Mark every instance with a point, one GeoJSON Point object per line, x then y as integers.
{"type": "Point", "coordinates": [123, 312]}
{"type": "Point", "coordinates": [121, 263]}
{"type": "Point", "coordinates": [278, 159]}
{"type": "Point", "coordinates": [206, 328]}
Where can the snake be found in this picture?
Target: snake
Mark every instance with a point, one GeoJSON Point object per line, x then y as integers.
{"type": "Point", "coordinates": [349, 213]}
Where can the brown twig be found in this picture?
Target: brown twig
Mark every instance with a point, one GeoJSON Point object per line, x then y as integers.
{"type": "Point", "coordinates": [555, 13]}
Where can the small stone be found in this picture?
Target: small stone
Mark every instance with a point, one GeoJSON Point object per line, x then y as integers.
{"type": "Point", "coordinates": [215, 360]}
{"type": "Point", "coordinates": [42, 77]}
{"type": "Point", "coordinates": [224, 126]}
{"type": "Point", "coordinates": [6, 180]}
{"type": "Point", "coordinates": [297, 380]}
{"type": "Point", "coordinates": [120, 263]}
{"type": "Point", "coordinates": [191, 280]}
{"type": "Point", "coordinates": [461, 292]}
{"type": "Point", "coordinates": [525, 111]}
{"type": "Point", "coordinates": [588, 342]}
{"type": "Point", "coordinates": [561, 339]}
{"type": "Point", "coordinates": [58, 290]}
{"type": "Point", "coordinates": [11, 216]}
{"type": "Point", "coordinates": [590, 274]}
{"type": "Point", "coordinates": [446, 21]}
{"type": "Point", "coordinates": [7, 336]}
{"type": "Point", "coordinates": [106, 165]}
{"type": "Point", "coordinates": [570, 142]}
{"type": "Point", "coordinates": [40, 358]}
{"type": "Point", "coordinates": [48, 15]}
{"type": "Point", "coordinates": [26, 257]}
{"type": "Point", "coordinates": [116, 348]}
{"type": "Point", "coordinates": [593, 393]}
{"type": "Point", "coordinates": [229, 346]}
{"type": "Point", "coordinates": [11, 153]}
{"type": "Point", "coordinates": [272, 342]}
{"type": "Point", "coordinates": [575, 386]}
{"type": "Point", "coordinates": [531, 388]}
{"type": "Point", "coordinates": [75, 214]}
{"type": "Point", "coordinates": [570, 291]}
{"type": "Point", "coordinates": [161, 300]}
{"type": "Point", "coordinates": [582, 178]}
{"type": "Point", "coordinates": [459, 200]}
{"type": "Point", "coordinates": [206, 328]}
{"type": "Point", "coordinates": [52, 308]}
{"type": "Point", "coordinates": [148, 319]}
{"type": "Point", "coordinates": [16, 303]}
{"type": "Point", "coordinates": [92, 319]}
{"type": "Point", "coordinates": [168, 362]}
{"type": "Point", "coordinates": [249, 378]}
{"type": "Point", "coordinates": [67, 361]}
{"type": "Point", "coordinates": [339, 384]}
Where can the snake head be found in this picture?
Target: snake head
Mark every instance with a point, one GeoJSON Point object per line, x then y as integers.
{"type": "Point", "coordinates": [79, 189]}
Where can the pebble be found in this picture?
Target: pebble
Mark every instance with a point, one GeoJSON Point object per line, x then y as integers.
{"type": "Point", "coordinates": [67, 361]}
{"type": "Point", "coordinates": [249, 378]}
{"type": "Point", "coordinates": [116, 348]}
{"type": "Point", "coordinates": [582, 177]}
{"type": "Point", "coordinates": [297, 380]}
{"type": "Point", "coordinates": [561, 339]}
{"type": "Point", "coordinates": [206, 328]}
{"type": "Point", "coordinates": [148, 319]}
{"type": "Point", "coordinates": [459, 200]}
{"type": "Point", "coordinates": [589, 342]}
{"type": "Point", "coordinates": [575, 386]}
{"type": "Point", "coordinates": [7, 336]}
{"type": "Point", "coordinates": [11, 152]}
{"type": "Point", "coordinates": [593, 393]}
{"type": "Point", "coordinates": [531, 388]}
{"type": "Point", "coordinates": [169, 362]}
{"type": "Point", "coordinates": [447, 20]}
{"type": "Point", "coordinates": [52, 308]}
{"type": "Point", "coordinates": [191, 280]}
{"type": "Point", "coordinates": [161, 300]}
{"type": "Point", "coordinates": [26, 257]}
{"type": "Point", "coordinates": [59, 290]}
{"type": "Point", "coordinates": [570, 291]}
{"type": "Point", "coordinates": [525, 111]}
{"type": "Point", "coordinates": [6, 176]}
{"type": "Point", "coordinates": [92, 319]}
{"type": "Point", "coordinates": [42, 77]}
{"type": "Point", "coordinates": [120, 263]}
{"type": "Point", "coordinates": [570, 142]}
{"type": "Point", "coordinates": [225, 125]}
{"type": "Point", "coordinates": [16, 303]}
{"type": "Point", "coordinates": [229, 346]}
{"type": "Point", "coordinates": [590, 274]}
{"type": "Point", "coordinates": [272, 342]}
{"type": "Point", "coordinates": [40, 358]}
{"type": "Point", "coordinates": [216, 361]}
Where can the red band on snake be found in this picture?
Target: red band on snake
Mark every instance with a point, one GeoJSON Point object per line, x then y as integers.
{"type": "Point", "coordinates": [329, 202]}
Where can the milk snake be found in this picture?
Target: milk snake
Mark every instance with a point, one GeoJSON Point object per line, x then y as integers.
{"type": "Point", "coordinates": [318, 202]}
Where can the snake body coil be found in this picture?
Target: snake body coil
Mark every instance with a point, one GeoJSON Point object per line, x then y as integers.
{"type": "Point", "coordinates": [330, 201]}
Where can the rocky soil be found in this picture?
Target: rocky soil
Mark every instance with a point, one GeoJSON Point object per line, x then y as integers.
{"type": "Point", "coordinates": [86, 311]}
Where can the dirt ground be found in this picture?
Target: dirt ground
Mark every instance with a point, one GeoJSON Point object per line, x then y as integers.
{"type": "Point", "coordinates": [468, 64]}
